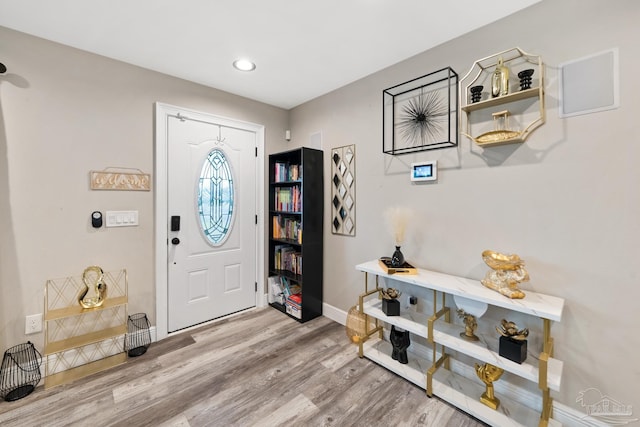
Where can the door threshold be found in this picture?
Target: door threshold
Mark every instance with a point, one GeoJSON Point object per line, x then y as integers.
{"type": "Point", "coordinates": [212, 321]}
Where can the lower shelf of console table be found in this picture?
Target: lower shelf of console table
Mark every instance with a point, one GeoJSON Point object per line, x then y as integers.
{"type": "Point", "coordinates": [454, 388]}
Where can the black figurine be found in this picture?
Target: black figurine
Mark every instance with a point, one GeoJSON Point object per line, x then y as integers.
{"type": "Point", "coordinates": [400, 342]}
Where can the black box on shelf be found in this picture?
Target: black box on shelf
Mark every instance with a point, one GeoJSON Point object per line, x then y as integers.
{"type": "Point", "coordinates": [391, 307]}
{"type": "Point", "coordinates": [513, 350]}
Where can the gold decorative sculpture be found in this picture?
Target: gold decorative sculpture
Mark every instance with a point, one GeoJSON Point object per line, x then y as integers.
{"type": "Point", "coordinates": [470, 325]}
{"type": "Point", "coordinates": [508, 272]}
{"type": "Point", "coordinates": [510, 330]}
{"type": "Point", "coordinates": [390, 293]}
{"type": "Point", "coordinates": [93, 276]}
{"type": "Point", "coordinates": [501, 131]}
{"type": "Point", "coordinates": [489, 374]}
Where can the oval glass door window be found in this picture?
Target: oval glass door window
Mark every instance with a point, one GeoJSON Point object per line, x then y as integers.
{"type": "Point", "coordinates": [216, 198]}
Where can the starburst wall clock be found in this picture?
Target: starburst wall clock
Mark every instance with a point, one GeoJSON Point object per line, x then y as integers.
{"type": "Point", "coordinates": [421, 114]}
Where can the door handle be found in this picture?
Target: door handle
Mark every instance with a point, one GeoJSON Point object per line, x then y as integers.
{"type": "Point", "coordinates": [175, 241]}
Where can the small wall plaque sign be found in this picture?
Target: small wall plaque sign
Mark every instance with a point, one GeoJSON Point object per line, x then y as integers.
{"type": "Point", "coordinates": [109, 179]}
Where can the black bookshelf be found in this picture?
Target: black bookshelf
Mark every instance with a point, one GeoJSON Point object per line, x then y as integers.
{"type": "Point", "coordinates": [296, 197]}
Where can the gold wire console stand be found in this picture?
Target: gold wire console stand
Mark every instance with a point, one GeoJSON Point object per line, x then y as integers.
{"type": "Point", "coordinates": [81, 341]}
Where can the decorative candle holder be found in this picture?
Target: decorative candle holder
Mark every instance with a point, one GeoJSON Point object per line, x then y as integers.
{"type": "Point", "coordinates": [525, 78]}
{"type": "Point", "coordinates": [476, 93]}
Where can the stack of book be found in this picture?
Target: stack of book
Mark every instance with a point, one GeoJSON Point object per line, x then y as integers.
{"type": "Point", "coordinates": [285, 172]}
{"type": "Point", "coordinates": [287, 229]}
{"type": "Point", "coordinates": [287, 199]}
{"type": "Point", "coordinates": [286, 258]}
{"type": "Point", "coordinates": [293, 305]}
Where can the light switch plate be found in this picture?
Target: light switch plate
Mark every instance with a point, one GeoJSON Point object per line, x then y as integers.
{"type": "Point", "coordinates": [122, 218]}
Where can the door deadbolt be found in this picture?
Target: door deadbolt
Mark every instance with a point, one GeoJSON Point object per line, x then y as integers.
{"type": "Point", "coordinates": [175, 241]}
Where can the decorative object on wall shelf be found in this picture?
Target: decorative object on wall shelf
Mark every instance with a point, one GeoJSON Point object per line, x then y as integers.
{"type": "Point", "coordinates": [20, 371]}
{"type": "Point", "coordinates": [513, 342]}
{"type": "Point", "coordinates": [113, 178]}
{"type": "Point", "coordinates": [93, 278]}
{"type": "Point", "coordinates": [489, 374]}
{"type": "Point", "coordinates": [501, 132]}
{"type": "Point", "coordinates": [476, 93]}
{"type": "Point", "coordinates": [525, 104]}
{"type": "Point", "coordinates": [421, 114]}
{"type": "Point", "coordinates": [500, 80]}
{"type": "Point", "coordinates": [343, 190]}
{"type": "Point", "coordinates": [525, 78]}
{"type": "Point", "coordinates": [508, 272]}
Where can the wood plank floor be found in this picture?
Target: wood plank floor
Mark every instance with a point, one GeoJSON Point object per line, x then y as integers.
{"type": "Point", "coordinates": [260, 368]}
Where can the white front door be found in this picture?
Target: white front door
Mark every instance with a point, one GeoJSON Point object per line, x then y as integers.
{"type": "Point", "coordinates": [211, 207]}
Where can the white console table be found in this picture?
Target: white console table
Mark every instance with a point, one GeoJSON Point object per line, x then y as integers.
{"type": "Point", "coordinates": [433, 373]}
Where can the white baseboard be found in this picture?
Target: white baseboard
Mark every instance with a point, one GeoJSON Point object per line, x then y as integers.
{"type": "Point", "coordinates": [335, 314]}
{"type": "Point", "coordinates": [562, 413]}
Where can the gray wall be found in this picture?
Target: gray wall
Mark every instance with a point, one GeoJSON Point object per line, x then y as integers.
{"type": "Point", "coordinates": [566, 201]}
{"type": "Point", "coordinates": [63, 113]}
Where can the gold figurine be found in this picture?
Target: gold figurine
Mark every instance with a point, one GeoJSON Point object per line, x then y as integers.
{"type": "Point", "coordinates": [470, 325]}
{"type": "Point", "coordinates": [489, 374]}
{"type": "Point", "coordinates": [93, 275]}
{"type": "Point", "coordinates": [390, 293]}
{"type": "Point", "coordinates": [508, 272]}
{"type": "Point", "coordinates": [510, 330]}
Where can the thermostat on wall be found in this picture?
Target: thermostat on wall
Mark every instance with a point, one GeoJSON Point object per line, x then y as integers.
{"type": "Point", "coordinates": [424, 171]}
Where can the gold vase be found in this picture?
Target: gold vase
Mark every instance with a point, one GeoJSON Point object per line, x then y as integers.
{"type": "Point", "coordinates": [500, 80]}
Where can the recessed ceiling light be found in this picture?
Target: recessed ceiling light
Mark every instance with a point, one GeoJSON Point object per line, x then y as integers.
{"type": "Point", "coordinates": [244, 65]}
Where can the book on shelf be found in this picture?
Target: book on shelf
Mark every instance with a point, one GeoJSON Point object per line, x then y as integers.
{"type": "Point", "coordinates": [287, 199]}
{"type": "Point", "coordinates": [288, 259]}
{"type": "Point", "coordinates": [288, 288]}
{"type": "Point", "coordinates": [287, 228]}
{"type": "Point", "coordinates": [284, 172]}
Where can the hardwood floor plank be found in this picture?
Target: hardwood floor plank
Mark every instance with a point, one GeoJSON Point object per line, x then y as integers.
{"type": "Point", "coordinates": [258, 368]}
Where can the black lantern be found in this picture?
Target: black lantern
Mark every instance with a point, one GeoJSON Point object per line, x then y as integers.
{"type": "Point", "coordinates": [20, 371]}
{"type": "Point", "coordinates": [138, 335]}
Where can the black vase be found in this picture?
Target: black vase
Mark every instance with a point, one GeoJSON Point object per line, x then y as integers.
{"type": "Point", "coordinates": [476, 93]}
{"type": "Point", "coordinates": [397, 259]}
{"type": "Point", "coordinates": [400, 342]}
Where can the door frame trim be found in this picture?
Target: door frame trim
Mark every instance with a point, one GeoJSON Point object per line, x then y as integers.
{"type": "Point", "coordinates": [162, 112]}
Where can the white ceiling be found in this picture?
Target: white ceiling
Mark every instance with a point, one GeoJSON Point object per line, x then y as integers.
{"type": "Point", "coordinates": [302, 48]}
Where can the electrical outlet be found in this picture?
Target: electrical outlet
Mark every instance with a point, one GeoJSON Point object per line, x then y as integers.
{"type": "Point", "coordinates": [33, 324]}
